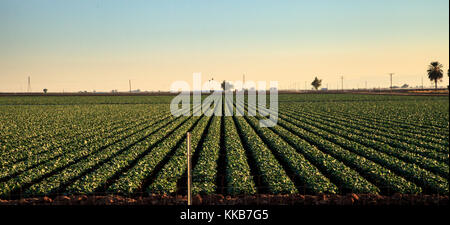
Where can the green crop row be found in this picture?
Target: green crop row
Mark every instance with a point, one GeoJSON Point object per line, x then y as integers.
{"type": "Point", "coordinates": [271, 172]}
{"type": "Point", "coordinates": [205, 172]}
{"type": "Point", "coordinates": [400, 139]}
{"type": "Point", "coordinates": [71, 156]}
{"type": "Point", "coordinates": [380, 144]}
{"type": "Point", "coordinates": [67, 175]}
{"type": "Point", "coordinates": [422, 177]}
{"type": "Point", "coordinates": [311, 177]}
{"type": "Point", "coordinates": [414, 126]}
{"type": "Point", "coordinates": [80, 143]}
{"type": "Point", "coordinates": [415, 112]}
{"type": "Point", "coordinates": [379, 175]}
{"type": "Point", "coordinates": [346, 178]}
{"type": "Point", "coordinates": [167, 178]}
{"type": "Point", "coordinates": [333, 143]}
{"type": "Point", "coordinates": [95, 181]}
{"type": "Point", "coordinates": [47, 152]}
{"type": "Point", "coordinates": [132, 180]}
{"type": "Point", "coordinates": [238, 177]}
{"type": "Point", "coordinates": [58, 126]}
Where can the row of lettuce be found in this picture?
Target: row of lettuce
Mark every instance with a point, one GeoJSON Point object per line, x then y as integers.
{"type": "Point", "coordinates": [309, 151]}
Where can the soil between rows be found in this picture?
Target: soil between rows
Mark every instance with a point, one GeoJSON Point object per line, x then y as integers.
{"type": "Point", "coordinates": [262, 199]}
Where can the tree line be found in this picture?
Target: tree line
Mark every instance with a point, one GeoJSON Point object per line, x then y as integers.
{"type": "Point", "coordinates": [435, 73]}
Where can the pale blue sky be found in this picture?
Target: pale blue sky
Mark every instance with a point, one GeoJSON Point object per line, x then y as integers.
{"type": "Point", "coordinates": [86, 45]}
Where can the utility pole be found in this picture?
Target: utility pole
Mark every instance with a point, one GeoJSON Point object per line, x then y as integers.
{"type": "Point", "coordinates": [129, 82]}
{"type": "Point", "coordinates": [391, 74]}
{"type": "Point", "coordinates": [342, 83]}
{"type": "Point", "coordinates": [366, 84]}
{"type": "Point", "coordinates": [29, 84]}
{"type": "Point", "coordinates": [422, 82]}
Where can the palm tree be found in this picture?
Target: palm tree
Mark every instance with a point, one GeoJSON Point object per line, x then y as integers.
{"type": "Point", "coordinates": [435, 72]}
{"type": "Point", "coordinates": [226, 86]}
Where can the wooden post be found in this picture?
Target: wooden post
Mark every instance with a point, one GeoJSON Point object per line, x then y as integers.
{"type": "Point", "coordinates": [189, 179]}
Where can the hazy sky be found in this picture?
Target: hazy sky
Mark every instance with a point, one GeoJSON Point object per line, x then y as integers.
{"type": "Point", "coordinates": [99, 45]}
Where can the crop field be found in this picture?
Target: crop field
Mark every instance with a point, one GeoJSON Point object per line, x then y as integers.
{"type": "Point", "coordinates": [132, 145]}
